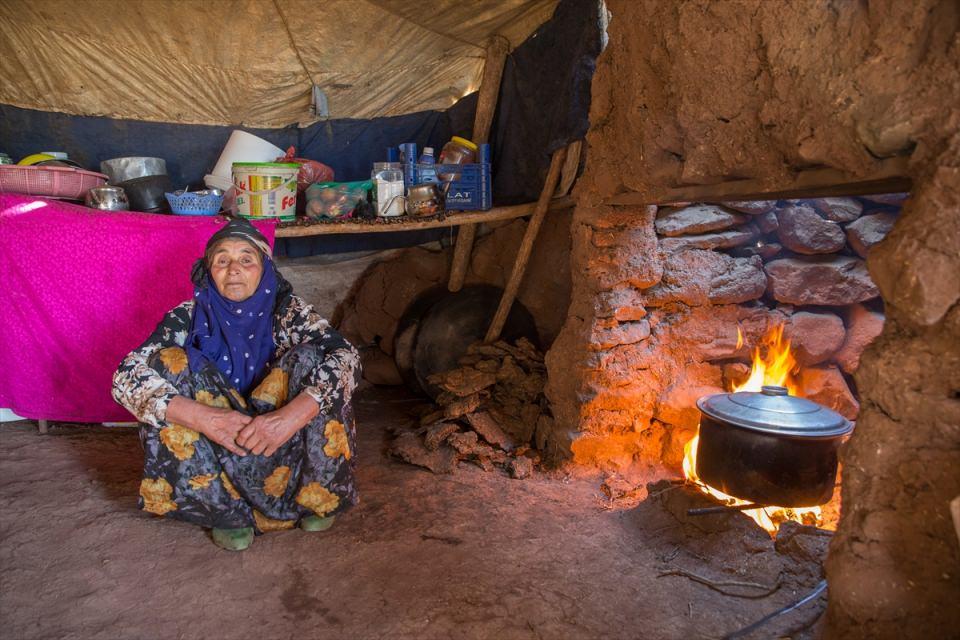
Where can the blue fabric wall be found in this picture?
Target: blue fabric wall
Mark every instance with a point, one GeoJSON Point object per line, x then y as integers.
{"type": "Point", "coordinates": [349, 146]}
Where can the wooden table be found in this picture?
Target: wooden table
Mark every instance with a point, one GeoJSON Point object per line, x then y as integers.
{"type": "Point", "coordinates": [452, 219]}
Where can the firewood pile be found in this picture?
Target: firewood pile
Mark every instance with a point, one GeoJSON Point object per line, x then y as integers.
{"type": "Point", "coordinates": [489, 413]}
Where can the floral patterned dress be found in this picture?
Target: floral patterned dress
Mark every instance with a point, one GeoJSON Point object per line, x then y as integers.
{"type": "Point", "coordinates": [188, 477]}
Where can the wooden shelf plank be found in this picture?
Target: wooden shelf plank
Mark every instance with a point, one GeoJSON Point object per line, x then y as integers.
{"type": "Point", "coordinates": [412, 224]}
{"type": "Point", "coordinates": [890, 177]}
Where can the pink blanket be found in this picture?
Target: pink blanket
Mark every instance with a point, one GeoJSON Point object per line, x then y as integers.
{"type": "Point", "coordinates": [79, 289]}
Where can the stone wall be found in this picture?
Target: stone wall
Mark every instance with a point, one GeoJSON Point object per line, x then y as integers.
{"type": "Point", "coordinates": [697, 92]}
{"type": "Point", "coordinates": [674, 287]}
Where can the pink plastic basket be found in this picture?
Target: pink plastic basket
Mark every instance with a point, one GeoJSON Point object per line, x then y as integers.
{"type": "Point", "coordinates": [56, 182]}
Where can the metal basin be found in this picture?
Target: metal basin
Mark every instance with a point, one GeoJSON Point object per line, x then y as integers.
{"type": "Point", "coordinates": [107, 199]}
{"type": "Point", "coordinates": [121, 169]}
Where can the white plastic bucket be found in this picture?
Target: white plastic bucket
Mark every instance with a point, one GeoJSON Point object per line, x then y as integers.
{"type": "Point", "coordinates": [244, 147]}
{"type": "Point", "coordinates": [266, 189]}
{"type": "Point", "coordinates": [218, 182]}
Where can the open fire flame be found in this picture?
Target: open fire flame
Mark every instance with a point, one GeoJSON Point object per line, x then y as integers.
{"type": "Point", "coordinates": [774, 364]}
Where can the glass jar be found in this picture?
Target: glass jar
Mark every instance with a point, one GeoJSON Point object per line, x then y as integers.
{"type": "Point", "coordinates": [457, 151]}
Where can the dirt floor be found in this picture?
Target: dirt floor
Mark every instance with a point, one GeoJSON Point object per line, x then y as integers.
{"type": "Point", "coordinates": [468, 555]}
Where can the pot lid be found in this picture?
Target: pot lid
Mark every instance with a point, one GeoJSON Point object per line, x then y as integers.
{"type": "Point", "coordinates": [774, 411]}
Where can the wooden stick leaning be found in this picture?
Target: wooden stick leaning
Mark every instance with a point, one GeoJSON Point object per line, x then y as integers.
{"type": "Point", "coordinates": [955, 514]}
{"type": "Point", "coordinates": [526, 246]}
{"type": "Point", "coordinates": [497, 51]}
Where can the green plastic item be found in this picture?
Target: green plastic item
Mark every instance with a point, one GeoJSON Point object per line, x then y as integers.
{"type": "Point", "coordinates": [233, 539]}
{"type": "Point", "coordinates": [316, 523]}
{"type": "Point", "coordinates": [335, 199]}
{"type": "Point", "coordinates": [359, 185]}
{"type": "Point", "coordinates": [288, 165]}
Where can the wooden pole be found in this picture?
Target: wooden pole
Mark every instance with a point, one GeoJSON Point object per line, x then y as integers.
{"type": "Point", "coordinates": [497, 50]}
{"type": "Point", "coordinates": [496, 55]}
{"type": "Point", "coordinates": [526, 246]}
{"type": "Point", "coordinates": [955, 514]}
{"type": "Point", "coordinates": [890, 176]}
{"type": "Point", "coordinates": [568, 173]}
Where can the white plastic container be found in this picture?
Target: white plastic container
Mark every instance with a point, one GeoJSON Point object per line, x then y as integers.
{"type": "Point", "coordinates": [243, 147]}
{"type": "Point", "coordinates": [388, 189]}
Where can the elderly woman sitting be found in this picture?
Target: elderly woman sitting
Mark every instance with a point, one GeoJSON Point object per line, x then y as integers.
{"type": "Point", "coordinates": [244, 398]}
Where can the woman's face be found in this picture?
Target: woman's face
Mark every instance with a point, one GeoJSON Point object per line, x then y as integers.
{"type": "Point", "coordinates": [236, 267]}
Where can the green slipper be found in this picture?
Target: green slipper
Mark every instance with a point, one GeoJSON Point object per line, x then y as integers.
{"type": "Point", "coordinates": [316, 523]}
{"type": "Point", "coordinates": [233, 539]}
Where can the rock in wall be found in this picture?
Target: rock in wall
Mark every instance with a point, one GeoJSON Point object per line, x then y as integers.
{"type": "Point", "coordinates": [696, 92]}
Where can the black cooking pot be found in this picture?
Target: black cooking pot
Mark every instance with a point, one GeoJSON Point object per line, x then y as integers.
{"type": "Point", "coordinates": [146, 193]}
{"type": "Point", "coordinates": [769, 447]}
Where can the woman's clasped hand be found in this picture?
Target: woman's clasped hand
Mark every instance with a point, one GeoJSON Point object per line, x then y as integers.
{"type": "Point", "coordinates": [268, 432]}
{"type": "Point", "coordinates": [219, 425]}
{"type": "Point", "coordinates": [240, 433]}
{"type": "Point", "coordinates": [223, 426]}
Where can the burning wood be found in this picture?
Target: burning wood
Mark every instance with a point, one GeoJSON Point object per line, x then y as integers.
{"type": "Point", "coordinates": [487, 413]}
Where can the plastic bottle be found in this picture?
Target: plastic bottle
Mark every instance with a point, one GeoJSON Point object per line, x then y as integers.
{"type": "Point", "coordinates": [408, 153]}
{"type": "Point", "coordinates": [427, 163]}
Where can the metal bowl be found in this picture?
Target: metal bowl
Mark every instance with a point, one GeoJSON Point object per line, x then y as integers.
{"type": "Point", "coordinates": [424, 200]}
{"type": "Point", "coordinates": [58, 162]}
{"type": "Point", "coordinates": [201, 193]}
{"type": "Point", "coordinates": [122, 169]}
{"type": "Point", "coordinates": [107, 199]}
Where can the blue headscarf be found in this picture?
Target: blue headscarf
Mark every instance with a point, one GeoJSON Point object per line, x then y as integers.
{"type": "Point", "coordinates": [237, 337]}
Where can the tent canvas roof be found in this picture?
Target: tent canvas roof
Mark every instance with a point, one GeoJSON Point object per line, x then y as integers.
{"type": "Point", "coordinates": [250, 62]}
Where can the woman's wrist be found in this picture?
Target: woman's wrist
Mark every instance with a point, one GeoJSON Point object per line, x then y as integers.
{"type": "Point", "coordinates": [184, 411]}
{"type": "Point", "coordinates": [301, 410]}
